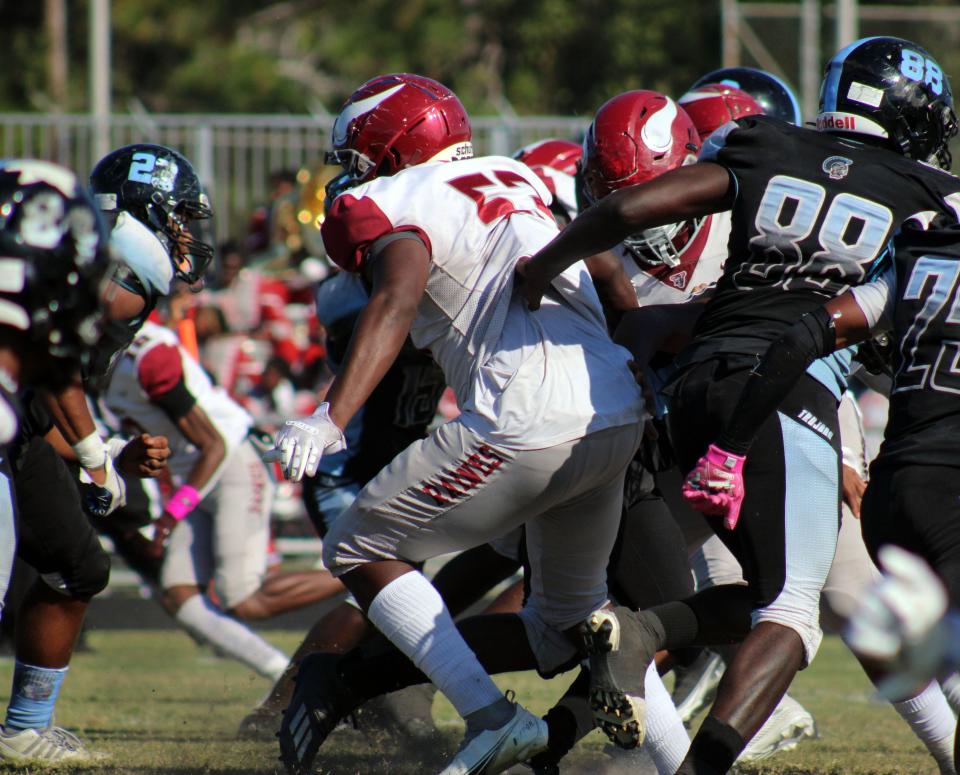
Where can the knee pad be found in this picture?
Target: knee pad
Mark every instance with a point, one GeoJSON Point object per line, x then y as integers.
{"type": "Point", "coordinates": [553, 650]}
{"type": "Point", "coordinates": [88, 573]}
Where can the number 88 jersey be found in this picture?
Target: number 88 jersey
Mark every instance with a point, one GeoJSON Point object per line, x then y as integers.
{"type": "Point", "coordinates": [814, 214]}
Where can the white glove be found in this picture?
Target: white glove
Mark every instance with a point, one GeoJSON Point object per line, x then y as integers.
{"type": "Point", "coordinates": [102, 500]}
{"type": "Point", "coordinates": [900, 621]}
{"type": "Point", "coordinates": [301, 443]}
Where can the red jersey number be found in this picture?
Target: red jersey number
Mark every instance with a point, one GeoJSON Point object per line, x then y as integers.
{"type": "Point", "coordinates": [499, 193]}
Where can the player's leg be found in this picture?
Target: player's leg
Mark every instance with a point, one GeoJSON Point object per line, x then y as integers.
{"type": "Point", "coordinates": [796, 476]}
{"type": "Point", "coordinates": [55, 538]}
{"type": "Point", "coordinates": [240, 504]}
{"type": "Point", "coordinates": [186, 571]}
{"type": "Point", "coordinates": [648, 566]}
{"type": "Point", "coordinates": [784, 586]}
{"type": "Point", "coordinates": [511, 487]}
{"type": "Point", "coordinates": [912, 507]}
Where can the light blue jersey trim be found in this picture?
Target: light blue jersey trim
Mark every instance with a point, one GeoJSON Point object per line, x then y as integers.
{"type": "Point", "coordinates": [833, 371]}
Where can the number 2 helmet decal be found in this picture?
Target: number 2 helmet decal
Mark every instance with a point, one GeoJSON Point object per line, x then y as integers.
{"type": "Point", "coordinates": [159, 187]}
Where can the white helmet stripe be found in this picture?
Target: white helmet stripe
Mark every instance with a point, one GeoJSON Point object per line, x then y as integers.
{"type": "Point", "coordinates": [657, 132]}
{"type": "Point", "coordinates": [356, 109]}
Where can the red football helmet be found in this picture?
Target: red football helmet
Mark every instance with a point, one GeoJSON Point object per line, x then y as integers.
{"type": "Point", "coordinates": [713, 105]}
{"type": "Point", "coordinates": [555, 162]}
{"type": "Point", "coordinates": [636, 137]}
{"type": "Point", "coordinates": [396, 121]}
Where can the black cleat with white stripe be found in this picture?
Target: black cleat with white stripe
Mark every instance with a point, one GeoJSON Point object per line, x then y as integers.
{"type": "Point", "coordinates": [320, 701]}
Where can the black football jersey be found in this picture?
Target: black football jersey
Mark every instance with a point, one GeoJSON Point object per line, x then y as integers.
{"type": "Point", "coordinates": [924, 420]}
{"type": "Point", "coordinates": [814, 215]}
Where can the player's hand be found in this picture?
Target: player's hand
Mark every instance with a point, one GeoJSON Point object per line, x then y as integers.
{"type": "Point", "coordinates": [301, 443]}
{"type": "Point", "coordinates": [853, 488]}
{"type": "Point", "coordinates": [900, 622]}
{"type": "Point", "coordinates": [163, 527]}
{"type": "Point", "coordinates": [531, 285]}
{"type": "Point", "coordinates": [715, 485]}
{"type": "Point", "coordinates": [101, 500]}
{"type": "Point", "coordinates": [144, 457]}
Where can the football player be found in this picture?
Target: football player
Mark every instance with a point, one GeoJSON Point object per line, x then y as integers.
{"type": "Point", "coordinates": [55, 262]}
{"type": "Point", "coordinates": [812, 213]}
{"type": "Point", "coordinates": [537, 396]}
{"type": "Point", "coordinates": [852, 570]}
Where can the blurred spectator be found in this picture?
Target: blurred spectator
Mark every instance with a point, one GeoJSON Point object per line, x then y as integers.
{"type": "Point", "coordinates": [274, 398]}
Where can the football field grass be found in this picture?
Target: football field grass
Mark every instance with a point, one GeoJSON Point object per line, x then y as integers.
{"type": "Point", "coordinates": [160, 705]}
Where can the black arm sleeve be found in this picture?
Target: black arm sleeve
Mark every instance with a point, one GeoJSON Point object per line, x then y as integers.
{"type": "Point", "coordinates": [785, 361]}
{"type": "Point", "coordinates": [176, 402]}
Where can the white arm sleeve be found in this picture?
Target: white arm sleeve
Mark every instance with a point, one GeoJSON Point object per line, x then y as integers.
{"type": "Point", "coordinates": [876, 300]}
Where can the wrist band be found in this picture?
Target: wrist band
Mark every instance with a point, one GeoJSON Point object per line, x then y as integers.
{"type": "Point", "coordinates": [182, 502]}
{"type": "Point", "coordinates": [91, 452]}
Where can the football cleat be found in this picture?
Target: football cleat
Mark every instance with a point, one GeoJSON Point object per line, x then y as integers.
{"type": "Point", "coordinates": [49, 746]}
{"type": "Point", "coordinates": [696, 686]}
{"type": "Point", "coordinates": [496, 750]}
{"type": "Point", "coordinates": [788, 725]}
{"type": "Point", "coordinates": [620, 646]}
{"type": "Point", "coordinates": [320, 700]}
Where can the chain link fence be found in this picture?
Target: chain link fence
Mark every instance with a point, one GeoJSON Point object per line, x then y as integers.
{"type": "Point", "coordinates": [234, 154]}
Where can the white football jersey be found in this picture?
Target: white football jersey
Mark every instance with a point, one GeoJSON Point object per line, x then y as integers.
{"type": "Point", "coordinates": [522, 379]}
{"type": "Point", "coordinates": [701, 264]}
{"type": "Point", "coordinates": [154, 361]}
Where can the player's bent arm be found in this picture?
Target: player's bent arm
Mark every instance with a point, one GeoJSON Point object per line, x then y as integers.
{"type": "Point", "coordinates": [399, 276]}
{"type": "Point", "coordinates": [195, 425]}
{"type": "Point", "coordinates": [71, 417]}
{"type": "Point", "coordinates": [838, 324]}
{"type": "Point", "coordinates": [688, 192]}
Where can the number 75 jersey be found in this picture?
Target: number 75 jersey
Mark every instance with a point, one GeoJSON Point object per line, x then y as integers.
{"type": "Point", "coordinates": [814, 215]}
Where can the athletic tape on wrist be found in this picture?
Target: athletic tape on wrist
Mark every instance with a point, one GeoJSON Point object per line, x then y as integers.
{"type": "Point", "coordinates": [91, 452]}
{"type": "Point", "coordinates": [115, 446]}
{"type": "Point", "coordinates": [182, 502]}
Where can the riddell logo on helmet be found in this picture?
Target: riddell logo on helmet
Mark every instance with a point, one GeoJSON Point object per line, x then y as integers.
{"type": "Point", "coordinates": [836, 122]}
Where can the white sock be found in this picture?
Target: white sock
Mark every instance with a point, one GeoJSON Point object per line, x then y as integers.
{"type": "Point", "coordinates": [931, 719]}
{"type": "Point", "coordinates": [203, 620]}
{"type": "Point", "coordinates": [951, 688]}
{"type": "Point", "coordinates": [667, 740]}
{"type": "Point", "coordinates": [410, 612]}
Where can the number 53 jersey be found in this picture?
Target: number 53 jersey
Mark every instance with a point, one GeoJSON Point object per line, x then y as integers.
{"type": "Point", "coordinates": [814, 215]}
{"type": "Point", "coordinates": [525, 380]}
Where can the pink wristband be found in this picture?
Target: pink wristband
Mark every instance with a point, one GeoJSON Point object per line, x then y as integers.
{"type": "Point", "coordinates": [182, 502]}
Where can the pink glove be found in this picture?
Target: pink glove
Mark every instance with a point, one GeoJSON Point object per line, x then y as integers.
{"type": "Point", "coordinates": [715, 485]}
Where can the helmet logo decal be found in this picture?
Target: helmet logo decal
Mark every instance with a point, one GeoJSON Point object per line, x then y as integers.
{"type": "Point", "coordinates": [357, 109]}
{"type": "Point", "coordinates": [656, 133]}
{"type": "Point", "coordinates": [160, 173]}
{"type": "Point", "coordinates": [865, 95]}
{"type": "Point", "coordinates": [836, 167]}
{"type": "Point", "coordinates": [917, 67]}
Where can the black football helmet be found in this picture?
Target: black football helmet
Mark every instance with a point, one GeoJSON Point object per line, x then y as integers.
{"type": "Point", "coordinates": [774, 95]}
{"type": "Point", "coordinates": [892, 89]}
{"type": "Point", "coordinates": [159, 187]}
{"type": "Point", "coordinates": [54, 260]}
